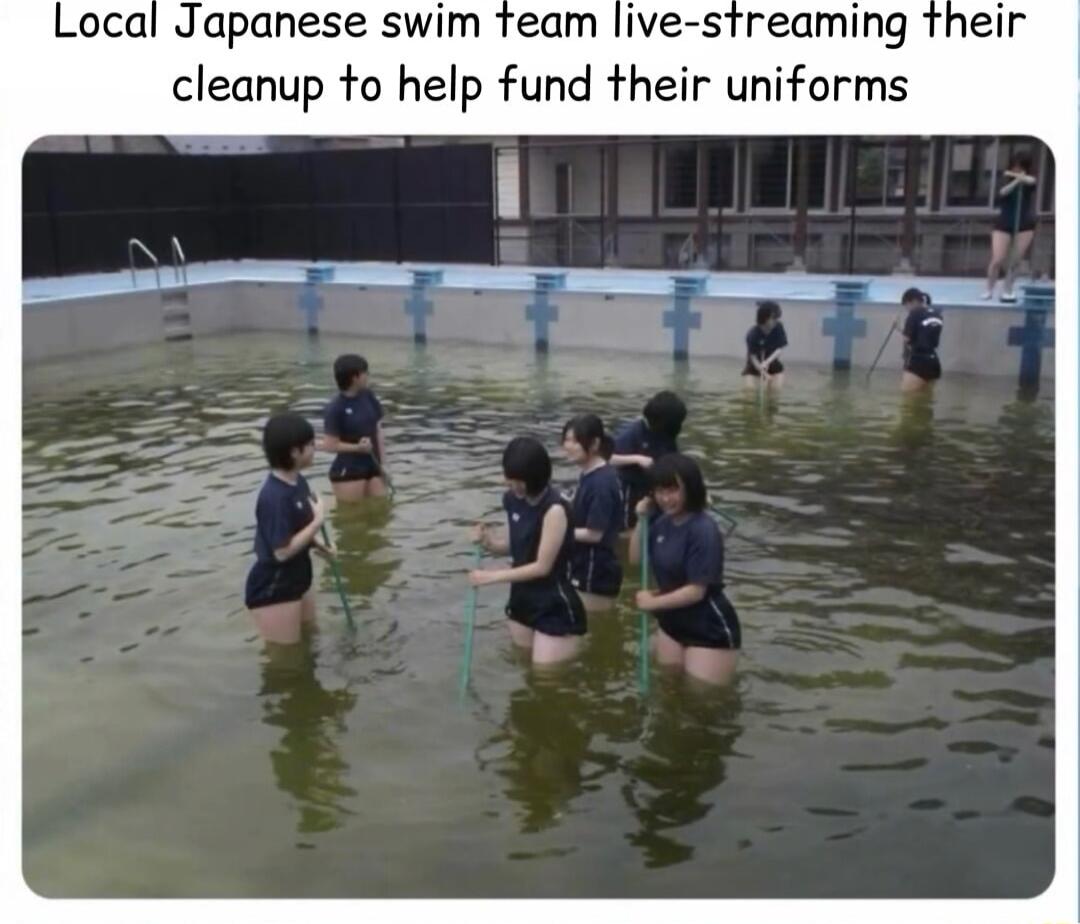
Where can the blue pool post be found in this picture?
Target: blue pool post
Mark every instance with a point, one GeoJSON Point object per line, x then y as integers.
{"type": "Point", "coordinates": [680, 319]}
{"type": "Point", "coordinates": [845, 327]}
{"type": "Point", "coordinates": [310, 301]}
{"type": "Point", "coordinates": [417, 304]}
{"type": "Point", "coordinates": [1034, 335]}
{"type": "Point", "coordinates": [541, 311]}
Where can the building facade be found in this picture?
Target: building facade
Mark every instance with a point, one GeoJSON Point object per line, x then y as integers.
{"type": "Point", "coordinates": [821, 204]}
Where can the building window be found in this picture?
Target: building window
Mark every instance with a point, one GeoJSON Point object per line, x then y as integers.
{"type": "Point", "coordinates": [769, 173]}
{"type": "Point", "coordinates": [976, 165]}
{"type": "Point", "coordinates": [774, 164]}
{"type": "Point", "coordinates": [680, 175]}
{"type": "Point", "coordinates": [881, 172]}
{"type": "Point", "coordinates": [722, 175]}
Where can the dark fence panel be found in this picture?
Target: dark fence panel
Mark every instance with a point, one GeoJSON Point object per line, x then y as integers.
{"type": "Point", "coordinates": [394, 204]}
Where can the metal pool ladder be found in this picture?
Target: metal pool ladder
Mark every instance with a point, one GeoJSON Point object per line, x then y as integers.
{"type": "Point", "coordinates": [175, 313]}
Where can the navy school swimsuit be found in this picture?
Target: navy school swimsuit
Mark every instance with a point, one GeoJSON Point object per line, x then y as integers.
{"type": "Point", "coordinates": [350, 420]}
{"type": "Point", "coordinates": [594, 566]}
{"type": "Point", "coordinates": [637, 439]}
{"type": "Point", "coordinates": [923, 332]}
{"type": "Point", "coordinates": [281, 511]}
{"type": "Point", "coordinates": [548, 604]}
{"type": "Point", "coordinates": [1022, 198]}
{"type": "Point", "coordinates": [760, 344]}
{"type": "Point", "coordinates": [692, 552]}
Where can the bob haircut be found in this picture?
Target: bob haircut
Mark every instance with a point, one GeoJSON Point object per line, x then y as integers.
{"type": "Point", "coordinates": [674, 469]}
{"type": "Point", "coordinates": [282, 434]}
{"type": "Point", "coordinates": [347, 368]}
{"type": "Point", "coordinates": [525, 459]}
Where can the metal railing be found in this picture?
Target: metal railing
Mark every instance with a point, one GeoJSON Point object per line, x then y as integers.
{"type": "Point", "coordinates": [179, 261]}
{"type": "Point", "coordinates": [132, 244]}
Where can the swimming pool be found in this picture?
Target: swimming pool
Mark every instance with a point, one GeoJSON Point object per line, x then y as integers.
{"type": "Point", "coordinates": [891, 733]}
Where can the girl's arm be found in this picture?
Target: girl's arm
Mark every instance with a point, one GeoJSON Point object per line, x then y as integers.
{"type": "Point", "coordinates": [380, 444]}
{"type": "Point", "coordinates": [494, 539]}
{"type": "Point", "coordinates": [332, 443]}
{"type": "Point", "coordinates": [687, 595]}
{"type": "Point", "coordinates": [619, 460]}
{"type": "Point", "coordinates": [1009, 187]}
{"type": "Point", "coordinates": [588, 536]}
{"type": "Point", "coordinates": [302, 539]}
{"type": "Point", "coordinates": [551, 537]}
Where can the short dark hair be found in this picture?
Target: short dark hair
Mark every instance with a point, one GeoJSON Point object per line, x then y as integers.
{"type": "Point", "coordinates": [347, 367]}
{"type": "Point", "coordinates": [913, 295]}
{"type": "Point", "coordinates": [1021, 159]}
{"type": "Point", "coordinates": [664, 413]}
{"type": "Point", "coordinates": [282, 434]}
{"type": "Point", "coordinates": [674, 469]}
{"type": "Point", "coordinates": [526, 459]}
{"type": "Point", "coordinates": [587, 429]}
{"type": "Point", "coordinates": [768, 309]}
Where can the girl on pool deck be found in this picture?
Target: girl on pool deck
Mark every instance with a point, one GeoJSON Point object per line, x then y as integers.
{"type": "Point", "coordinates": [594, 567]}
{"type": "Point", "coordinates": [352, 425]}
{"type": "Point", "coordinates": [764, 341]}
{"type": "Point", "coordinates": [638, 445]}
{"type": "Point", "coordinates": [288, 516]}
{"type": "Point", "coordinates": [922, 332]}
{"type": "Point", "coordinates": [1017, 216]}
{"type": "Point", "coordinates": [545, 613]}
{"type": "Point", "coordinates": [698, 628]}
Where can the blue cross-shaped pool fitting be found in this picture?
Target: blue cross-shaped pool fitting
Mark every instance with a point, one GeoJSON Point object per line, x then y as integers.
{"type": "Point", "coordinates": [417, 305]}
{"type": "Point", "coordinates": [1033, 335]}
{"type": "Point", "coordinates": [845, 327]}
{"type": "Point", "coordinates": [310, 301]}
{"type": "Point", "coordinates": [680, 319]}
{"type": "Point", "coordinates": [541, 311]}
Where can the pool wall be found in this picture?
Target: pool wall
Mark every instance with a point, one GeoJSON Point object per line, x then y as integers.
{"type": "Point", "coordinates": [985, 339]}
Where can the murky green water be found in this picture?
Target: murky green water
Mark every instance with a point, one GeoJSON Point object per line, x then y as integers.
{"type": "Point", "coordinates": [892, 730]}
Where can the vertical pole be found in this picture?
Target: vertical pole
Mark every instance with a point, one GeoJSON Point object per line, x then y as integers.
{"type": "Point", "coordinates": [397, 206]}
{"type": "Point", "coordinates": [853, 154]}
{"type": "Point", "coordinates": [495, 255]}
{"type": "Point", "coordinates": [703, 199]}
{"type": "Point", "coordinates": [802, 203]}
{"type": "Point", "coordinates": [911, 192]}
{"type": "Point", "coordinates": [613, 196]}
{"type": "Point", "coordinates": [603, 197]}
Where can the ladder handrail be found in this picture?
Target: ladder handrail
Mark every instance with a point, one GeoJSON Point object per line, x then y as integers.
{"type": "Point", "coordinates": [132, 244]}
{"type": "Point", "coordinates": [181, 264]}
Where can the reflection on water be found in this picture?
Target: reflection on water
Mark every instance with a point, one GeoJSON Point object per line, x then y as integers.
{"type": "Point", "coordinates": [677, 779]}
{"type": "Point", "coordinates": [307, 762]}
{"type": "Point", "coordinates": [891, 731]}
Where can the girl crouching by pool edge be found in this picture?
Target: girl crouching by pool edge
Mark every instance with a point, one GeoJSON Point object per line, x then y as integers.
{"type": "Point", "coordinates": [288, 516]}
{"type": "Point", "coordinates": [594, 567]}
{"type": "Point", "coordinates": [545, 613]}
{"type": "Point", "coordinates": [764, 343]}
{"type": "Point", "coordinates": [698, 628]}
